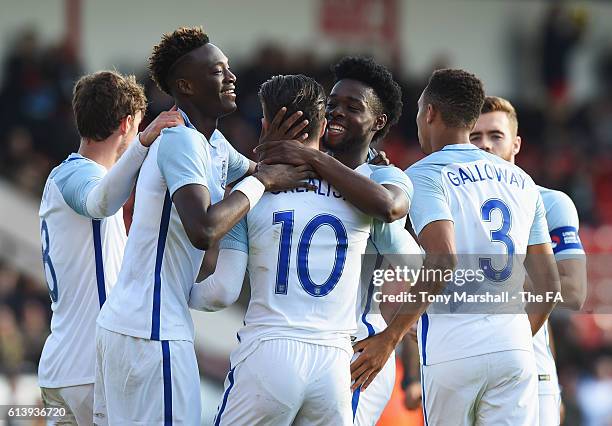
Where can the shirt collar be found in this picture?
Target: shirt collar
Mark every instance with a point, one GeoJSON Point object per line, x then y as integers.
{"type": "Point", "coordinates": [459, 146]}
{"type": "Point", "coordinates": [215, 138]}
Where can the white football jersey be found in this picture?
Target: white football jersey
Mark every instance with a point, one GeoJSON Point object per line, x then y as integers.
{"type": "Point", "coordinates": [369, 319]}
{"type": "Point", "coordinates": [562, 219]}
{"type": "Point", "coordinates": [160, 263]}
{"type": "Point", "coordinates": [81, 258]}
{"type": "Point", "coordinates": [497, 212]}
{"type": "Point", "coordinates": [304, 264]}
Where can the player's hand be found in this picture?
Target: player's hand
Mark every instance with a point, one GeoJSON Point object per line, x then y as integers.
{"type": "Point", "coordinates": [280, 177]}
{"type": "Point", "coordinates": [284, 129]}
{"type": "Point", "coordinates": [164, 120]}
{"type": "Point", "coordinates": [380, 159]}
{"type": "Point", "coordinates": [412, 397]}
{"type": "Point", "coordinates": [375, 352]}
{"type": "Point", "coordinates": [285, 152]}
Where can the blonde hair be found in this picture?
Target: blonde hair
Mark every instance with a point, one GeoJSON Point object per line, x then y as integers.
{"type": "Point", "coordinates": [495, 104]}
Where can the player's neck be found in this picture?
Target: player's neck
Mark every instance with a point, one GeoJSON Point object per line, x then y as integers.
{"type": "Point", "coordinates": [449, 136]}
{"type": "Point", "coordinates": [102, 152]}
{"type": "Point", "coordinates": [352, 158]}
{"type": "Point", "coordinates": [204, 124]}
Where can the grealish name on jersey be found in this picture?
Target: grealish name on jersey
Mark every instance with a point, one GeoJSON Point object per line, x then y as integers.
{"type": "Point", "coordinates": [322, 188]}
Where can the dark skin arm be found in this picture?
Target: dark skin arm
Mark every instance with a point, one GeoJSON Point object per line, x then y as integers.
{"type": "Point", "coordinates": [209, 263]}
{"type": "Point", "coordinates": [205, 224]}
{"type": "Point", "coordinates": [277, 145]}
{"type": "Point", "coordinates": [542, 271]}
{"type": "Point", "coordinates": [410, 362]}
{"type": "Point", "coordinates": [438, 240]}
{"type": "Point", "coordinates": [573, 276]}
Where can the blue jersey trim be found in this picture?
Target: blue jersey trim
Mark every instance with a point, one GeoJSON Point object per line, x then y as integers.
{"type": "Point", "coordinates": [97, 241]}
{"type": "Point", "coordinates": [371, 332]}
{"type": "Point", "coordinates": [423, 398]}
{"type": "Point", "coordinates": [355, 401]}
{"type": "Point", "coordinates": [161, 245]}
{"type": "Point", "coordinates": [230, 377]}
{"type": "Point", "coordinates": [167, 383]}
{"type": "Point", "coordinates": [424, 328]}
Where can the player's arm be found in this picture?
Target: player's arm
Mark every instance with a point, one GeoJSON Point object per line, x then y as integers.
{"type": "Point", "coordinates": [432, 220]}
{"type": "Point", "coordinates": [278, 144]}
{"type": "Point", "coordinates": [573, 276]}
{"type": "Point", "coordinates": [563, 224]}
{"type": "Point", "coordinates": [222, 288]}
{"type": "Point", "coordinates": [411, 382]}
{"type": "Point", "coordinates": [384, 202]}
{"type": "Point", "coordinates": [96, 196]}
{"type": "Point", "coordinates": [542, 270]}
{"type": "Point", "coordinates": [182, 161]}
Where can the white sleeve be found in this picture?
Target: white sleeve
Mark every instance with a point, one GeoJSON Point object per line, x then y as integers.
{"type": "Point", "coordinates": [222, 288]}
{"type": "Point", "coordinates": [112, 191]}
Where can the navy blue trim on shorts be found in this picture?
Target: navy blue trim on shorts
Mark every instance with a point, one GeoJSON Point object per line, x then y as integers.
{"type": "Point", "coordinates": [230, 377]}
{"type": "Point", "coordinates": [355, 401]}
{"type": "Point", "coordinates": [167, 373]}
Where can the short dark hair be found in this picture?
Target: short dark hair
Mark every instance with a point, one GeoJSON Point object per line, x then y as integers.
{"type": "Point", "coordinates": [457, 94]}
{"type": "Point", "coordinates": [380, 79]}
{"type": "Point", "coordinates": [170, 49]}
{"type": "Point", "coordinates": [102, 99]}
{"type": "Point", "coordinates": [296, 93]}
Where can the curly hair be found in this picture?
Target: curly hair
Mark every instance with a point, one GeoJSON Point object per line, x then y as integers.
{"type": "Point", "coordinates": [170, 49]}
{"type": "Point", "coordinates": [102, 99]}
{"type": "Point", "coordinates": [457, 94]}
{"type": "Point", "coordinates": [380, 79]}
{"type": "Point", "coordinates": [296, 93]}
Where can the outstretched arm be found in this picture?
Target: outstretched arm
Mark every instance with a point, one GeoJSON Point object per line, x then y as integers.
{"type": "Point", "coordinates": [221, 289]}
{"type": "Point", "coordinates": [91, 192]}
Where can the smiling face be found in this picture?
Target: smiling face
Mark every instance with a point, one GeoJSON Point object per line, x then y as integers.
{"type": "Point", "coordinates": [352, 118]}
{"type": "Point", "coordinates": [493, 133]}
{"type": "Point", "coordinates": [207, 79]}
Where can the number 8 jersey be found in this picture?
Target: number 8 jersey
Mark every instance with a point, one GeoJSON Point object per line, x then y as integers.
{"type": "Point", "coordinates": [304, 262]}
{"type": "Point", "coordinates": [497, 212]}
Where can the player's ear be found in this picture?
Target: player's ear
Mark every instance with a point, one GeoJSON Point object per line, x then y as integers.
{"type": "Point", "coordinates": [380, 122]}
{"type": "Point", "coordinates": [323, 127]}
{"type": "Point", "coordinates": [431, 114]}
{"type": "Point", "coordinates": [125, 124]}
{"type": "Point", "coordinates": [184, 86]}
{"type": "Point", "coordinates": [264, 124]}
{"type": "Point", "coordinates": [516, 145]}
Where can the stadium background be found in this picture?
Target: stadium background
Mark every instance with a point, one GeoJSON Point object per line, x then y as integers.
{"type": "Point", "coordinates": [553, 60]}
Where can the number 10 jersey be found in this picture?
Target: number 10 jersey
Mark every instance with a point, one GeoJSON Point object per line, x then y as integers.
{"type": "Point", "coordinates": [304, 264]}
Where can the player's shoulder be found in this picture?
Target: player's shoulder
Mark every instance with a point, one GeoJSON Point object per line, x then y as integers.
{"type": "Point", "coordinates": [450, 154]}
{"type": "Point", "coordinates": [179, 135]}
{"type": "Point", "coordinates": [560, 209]}
{"type": "Point", "coordinates": [555, 197]}
{"type": "Point", "coordinates": [74, 167]}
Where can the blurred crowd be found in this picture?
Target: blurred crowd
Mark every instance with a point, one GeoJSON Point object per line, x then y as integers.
{"type": "Point", "coordinates": [566, 146]}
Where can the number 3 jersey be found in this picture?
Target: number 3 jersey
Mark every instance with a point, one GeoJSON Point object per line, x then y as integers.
{"type": "Point", "coordinates": [304, 263]}
{"type": "Point", "coordinates": [81, 257]}
{"type": "Point", "coordinates": [497, 212]}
